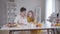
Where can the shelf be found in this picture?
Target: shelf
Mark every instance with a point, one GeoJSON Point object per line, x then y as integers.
{"type": "Point", "coordinates": [11, 11]}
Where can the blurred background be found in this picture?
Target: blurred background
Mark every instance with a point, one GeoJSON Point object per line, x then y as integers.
{"type": "Point", "coordinates": [10, 8]}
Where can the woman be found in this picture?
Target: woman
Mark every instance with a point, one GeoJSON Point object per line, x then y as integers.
{"type": "Point", "coordinates": [30, 16]}
{"type": "Point", "coordinates": [31, 19]}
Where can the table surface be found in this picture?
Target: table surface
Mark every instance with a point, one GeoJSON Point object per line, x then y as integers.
{"type": "Point", "coordinates": [30, 27]}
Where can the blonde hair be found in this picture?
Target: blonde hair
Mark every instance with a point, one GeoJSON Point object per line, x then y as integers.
{"type": "Point", "coordinates": [31, 13]}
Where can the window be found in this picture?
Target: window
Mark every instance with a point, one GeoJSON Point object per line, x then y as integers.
{"type": "Point", "coordinates": [50, 8]}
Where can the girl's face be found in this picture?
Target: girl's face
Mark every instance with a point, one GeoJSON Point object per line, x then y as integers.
{"type": "Point", "coordinates": [30, 14]}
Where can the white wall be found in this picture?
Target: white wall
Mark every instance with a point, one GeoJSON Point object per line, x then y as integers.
{"type": "Point", "coordinates": [57, 5]}
{"type": "Point", "coordinates": [31, 5]}
{"type": "Point", "coordinates": [2, 12]}
{"type": "Point", "coordinates": [50, 8]}
{"type": "Point", "coordinates": [3, 15]}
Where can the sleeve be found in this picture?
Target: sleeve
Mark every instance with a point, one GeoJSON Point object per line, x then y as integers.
{"type": "Point", "coordinates": [16, 19]}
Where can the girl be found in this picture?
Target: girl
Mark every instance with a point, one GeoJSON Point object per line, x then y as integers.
{"type": "Point", "coordinates": [31, 19]}
{"type": "Point", "coordinates": [30, 16]}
